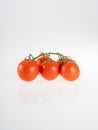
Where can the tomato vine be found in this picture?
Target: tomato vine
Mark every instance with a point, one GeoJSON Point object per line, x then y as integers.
{"type": "Point", "coordinates": [29, 68]}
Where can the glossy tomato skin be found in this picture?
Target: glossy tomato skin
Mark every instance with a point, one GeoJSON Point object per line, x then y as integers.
{"type": "Point", "coordinates": [49, 70]}
{"type": "Point", "coordinates": [70, 71]}
{"type": "Point", "coordinates": [61, 62]}
{"type": "Point", "coordinates": [27, 70]}
{"type": "Point", "coordinates": [41, 59]}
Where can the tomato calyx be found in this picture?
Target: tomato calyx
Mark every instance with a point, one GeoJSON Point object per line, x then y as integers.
{"type": "Point", "coordinates": [30, 57]}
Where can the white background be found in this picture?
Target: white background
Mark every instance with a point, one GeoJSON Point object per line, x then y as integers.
{"type": "Point", "coordinates": [33, 26]}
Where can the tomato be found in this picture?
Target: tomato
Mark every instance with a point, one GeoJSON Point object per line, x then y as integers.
{"type": "Point", "coordinates": [62, 61]}
{"type": "Point", "coordinates": [49, 70]}
{"type": "Point", "coordinates": [27, 70]}
{"type": "Point", "coordinates": [41, 59]}
{"type": "Point", "coordinates": [70, 71]}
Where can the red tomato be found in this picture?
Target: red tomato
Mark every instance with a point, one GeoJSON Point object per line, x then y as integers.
{"type": "Point", "coordinates": [70, 71]}
{"type": "Point", "coordinates": [62, 61]}
{"type": "Point", "coordinates": [27, 70]}
{"type": "Point", "coordinates": [40, 60]}
{"type": "Point", "coordinates": [49, 70]}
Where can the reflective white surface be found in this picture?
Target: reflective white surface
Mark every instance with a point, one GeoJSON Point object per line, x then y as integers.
{"type": "Point", "coordinates": [69, 27]}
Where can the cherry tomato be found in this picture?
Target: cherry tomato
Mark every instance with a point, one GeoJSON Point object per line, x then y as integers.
{"type": "Point", "coordinates": [62, 61]}
{"type": "Point", "coordinates": [49, 70]}
{"type": "Point", "coordinates": [40, 60]}
{"type": "Point", "coordinates": [70, 71]}
{"type": "Point", "coordinates": [27, 70]}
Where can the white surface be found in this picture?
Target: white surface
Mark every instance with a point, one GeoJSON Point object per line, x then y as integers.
{"type": "Point", "coordinates": [69, 27]}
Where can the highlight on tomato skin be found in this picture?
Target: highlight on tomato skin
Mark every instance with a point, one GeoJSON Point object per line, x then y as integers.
{"type": "Point", "coordinates": [70, 71]}
{"type": "Point", "coordinates": [27, 70]}
{"type": "Point", "coordinates": [49, 70]}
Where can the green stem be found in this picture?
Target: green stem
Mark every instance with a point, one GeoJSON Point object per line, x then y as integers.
{"type": "Point", "coordinates": [41, 54]}
{"type": "Point", "coordinates": [62, 57]}
{"type": "Point", "coordinates": [48, 54]}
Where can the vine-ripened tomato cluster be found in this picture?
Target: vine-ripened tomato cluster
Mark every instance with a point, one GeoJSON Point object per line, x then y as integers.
{"type": "Point", "coordinates": [43, 64]}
